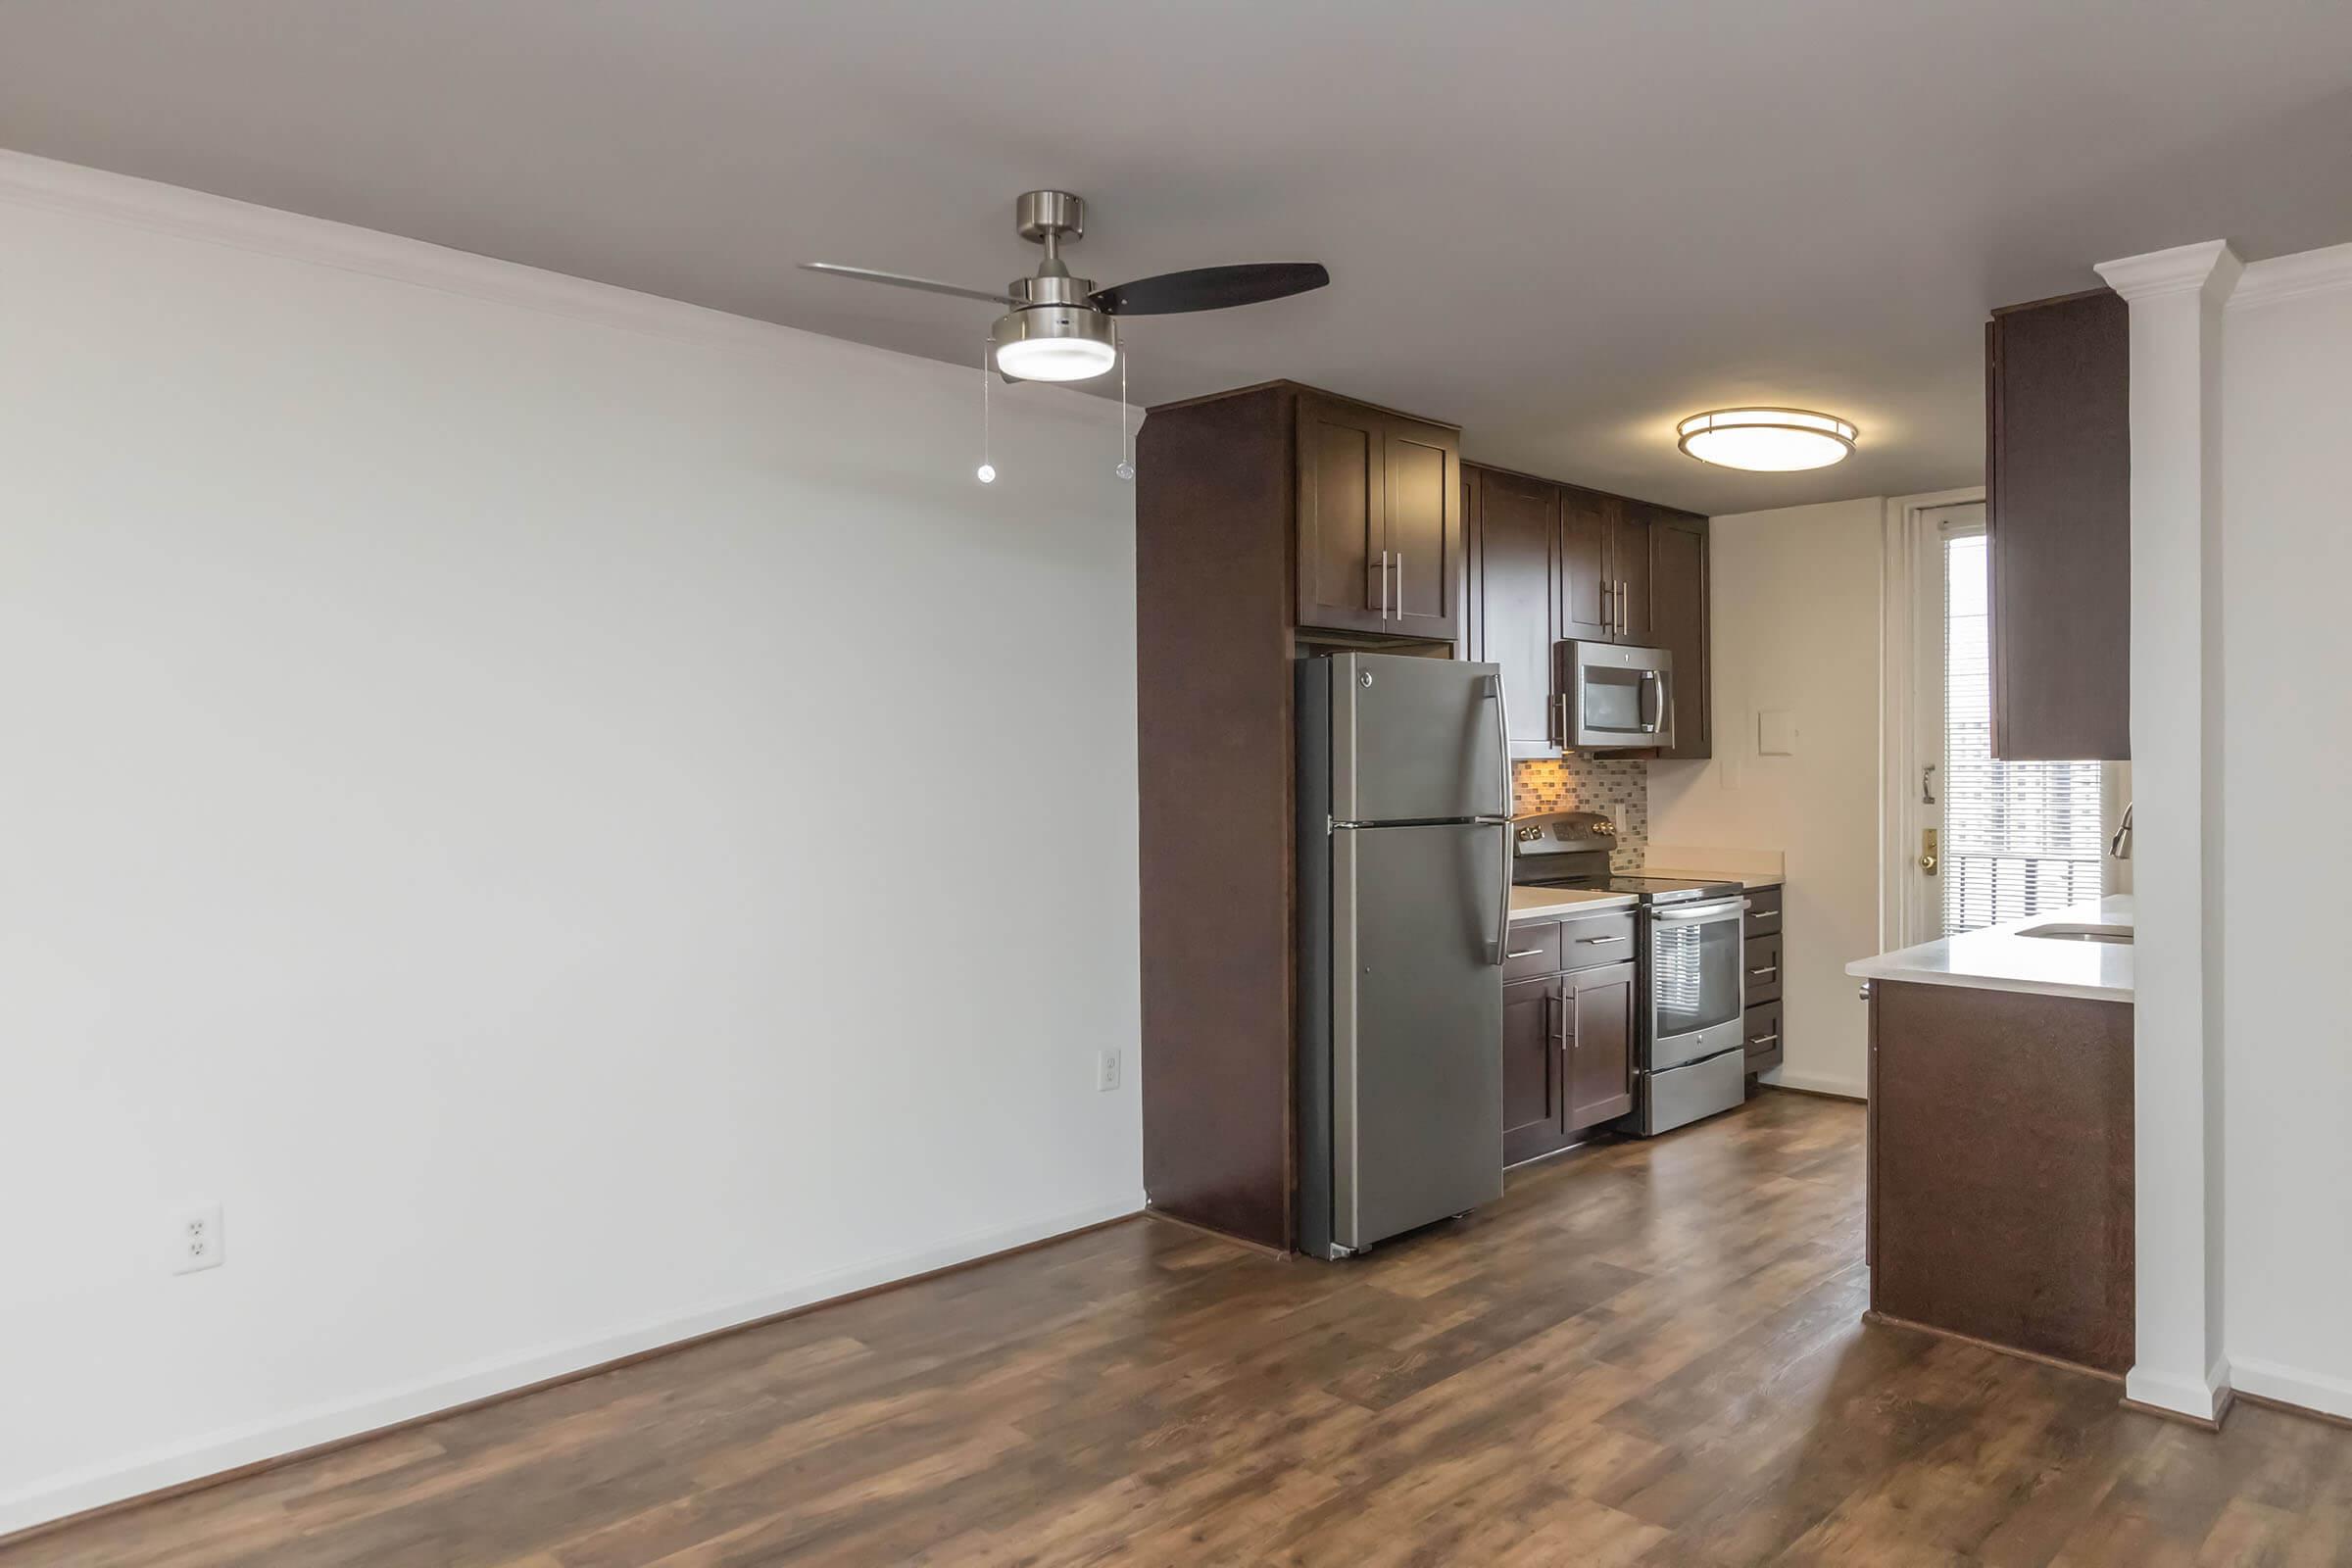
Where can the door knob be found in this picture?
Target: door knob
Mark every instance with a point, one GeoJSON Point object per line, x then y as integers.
{"type": "Point", "coordinates": [1927, 850]}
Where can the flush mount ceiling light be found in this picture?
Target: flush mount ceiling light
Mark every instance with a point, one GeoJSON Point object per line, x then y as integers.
{"type": "Point", "coordinates": [1767, 440]}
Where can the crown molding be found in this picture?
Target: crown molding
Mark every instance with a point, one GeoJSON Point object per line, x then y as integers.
{"type": "Point", "coordinates": [173, 209]}
{"type": "Point", "coordinates": [2289, 278]}
{"type": "Point", "coordinates": [2209, 266]}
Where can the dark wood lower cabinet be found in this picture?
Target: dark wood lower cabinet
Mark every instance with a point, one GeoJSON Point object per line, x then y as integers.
{"type": "Point", "coordinates": [1568, 1040]}
{"type": "Point", "coordinates": [2001, 1169]}
{"type": "Point", "coordinates": [1762, 955]}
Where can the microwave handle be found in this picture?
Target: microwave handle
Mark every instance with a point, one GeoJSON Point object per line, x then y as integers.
{"type": "Point", "coordinates": [1652, 683]}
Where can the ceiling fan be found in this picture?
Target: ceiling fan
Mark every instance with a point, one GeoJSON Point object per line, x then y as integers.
{"type": "Point", "coordinates": [1061, 328]}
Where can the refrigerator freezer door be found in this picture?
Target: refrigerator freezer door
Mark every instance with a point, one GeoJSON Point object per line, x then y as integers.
{"type": "Point", "coordinates": [1416, 740]}
{"type": "Point", "coordinates": [1418, 1027]}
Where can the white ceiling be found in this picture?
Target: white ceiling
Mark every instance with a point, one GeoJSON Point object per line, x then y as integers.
{"type": "Point", "coordinates": [1560, 225]}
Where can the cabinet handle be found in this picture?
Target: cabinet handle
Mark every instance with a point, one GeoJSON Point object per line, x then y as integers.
{"type": "Point", "coordinates": [1400, 585]}
{"type": "Point", "coordinates": [1761, 1041]}
{"type": "Point", "coordinates": [1526, 953]}
{"type": "Point", "coordinates": [1770, 968]}
{"type": "Point", "coordinates": [1560, 1013]}
{"type": "Point", "coordinates": [1865, 993]}
{"type": "Point", "coordinates": [1595, 942]}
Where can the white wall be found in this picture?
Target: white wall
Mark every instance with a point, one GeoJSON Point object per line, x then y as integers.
{"type": "Point", "coordinates": [2286, 747]}
{"type": "Point", "coordinates": [574, 817]}
{"type": "Point", "coordinates": [1796, 627]}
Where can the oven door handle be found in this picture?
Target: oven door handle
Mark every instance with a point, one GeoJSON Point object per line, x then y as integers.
{"type": "Point", "coordinates": [1696, 913]}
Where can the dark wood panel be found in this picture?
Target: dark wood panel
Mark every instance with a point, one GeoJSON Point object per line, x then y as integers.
{"type": "Point", "coordinates": [1587, 940]}
{"type": "Point", "coordinates": [1762, 1037]}
{"type": "Point", "coordinates": [1424, 536]}
{"type": "Point", "coordinates": [1763, 911]}
{"type": "Point", "coordinates": [1588, 519]}
{"type": "Point", "coordinates": [1342, 507]}
{"type": "Point", "coordinates": [1214, 713]}
{"type": "Point", "coordinates": [1532, 1063]}
{"type": "Point", "coordinates": [2058, 520]}
{"type": "Point", "coordinates": [2002, 1168]}
{"type": "Point", "coordinates": [1515, 584]}
{"type": "Point", "coordinates": [1534, 950]}
{"type": "Point", "coordinates": [1602, 1024]}
{"type": "Point", "coordinates": [1630, 566]}
{"type": "Point", "coordinates": [1679, 602]}
{"type": "Point", "coordinates": [1560, 1379]}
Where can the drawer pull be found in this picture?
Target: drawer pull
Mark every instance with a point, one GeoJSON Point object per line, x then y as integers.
{"type": "Point", "coordinates": [1761, 1041]}
{"type": "Point", "coordinates": [1595, 942]}
{"type": "Point", "coordinates": [1526, 953]}
{"type": "Point", "coordinates": [1770, 968]}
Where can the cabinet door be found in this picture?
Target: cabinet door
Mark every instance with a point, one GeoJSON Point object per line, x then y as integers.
{"type": "Point", "coordinates": [1677, 604]}
{"type": "Point", "coordinates": [1342, 510]}
{"type": "Point", "coordinates": [1600, 1043]}
{"type": "Point", "coordinates": [1513, 591]}
{"type": "Point", "coordinates": [1628, 568]}
{"type": "Point", "coordinates": [1533, 1068]}
{"type": "Point", "coordinates": [2058, 528]}
{"type": "Point", "coordinates": [1424, 535]}
{"type": "Point", "coordinates": [1585, 592]}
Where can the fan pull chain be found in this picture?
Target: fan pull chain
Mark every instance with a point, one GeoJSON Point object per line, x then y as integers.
{"type": "Point", "coordinates": [987, 472]}
{"type": "Point", "coordinates": [1118, 346]}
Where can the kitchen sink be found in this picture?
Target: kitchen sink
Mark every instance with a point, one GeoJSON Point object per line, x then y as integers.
{"type": "Point", "coordinates": [2063, 932]}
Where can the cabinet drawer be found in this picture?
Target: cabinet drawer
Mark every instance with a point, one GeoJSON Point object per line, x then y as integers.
{"type": "Point", "coordinates": [1597, 939]}
{"type": "Point", "coordinates": [1764, 913]}
{"type": "Point", "coordinates": [1762, 1037]}
{"type": "Point", "coordinates": [1763, 967]}
{"type": "Point", "coordinates": [1533, 949]}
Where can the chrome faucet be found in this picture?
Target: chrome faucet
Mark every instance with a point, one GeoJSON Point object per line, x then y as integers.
{"type": "Point", "coordinates": [2120, 845]}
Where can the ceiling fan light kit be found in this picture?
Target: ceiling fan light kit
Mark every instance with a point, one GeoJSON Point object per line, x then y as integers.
{"type": "Point", "coordinates": [1767, 440]}
{"type": "Point", "coordinates": [1064, 328]}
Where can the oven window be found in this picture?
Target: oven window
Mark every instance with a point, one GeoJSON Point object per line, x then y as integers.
{"type": "Point", "coordinates": [1695, 975]}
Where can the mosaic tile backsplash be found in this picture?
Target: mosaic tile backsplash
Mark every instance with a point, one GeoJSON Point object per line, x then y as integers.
{"type": "Point", "coordinates": [1616, 785]}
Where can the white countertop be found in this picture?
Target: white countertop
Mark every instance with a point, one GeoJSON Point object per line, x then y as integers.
{"type": "Point", "coordinates": [1549, 903]}
{"type": "Point", "coordinates": [1711, 874]}
{"type": "Point", "coordinates": [1997, 958]}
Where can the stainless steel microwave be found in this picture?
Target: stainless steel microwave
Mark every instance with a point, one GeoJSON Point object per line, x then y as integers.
{"type": "Point", "coordinates": [1613, 697]}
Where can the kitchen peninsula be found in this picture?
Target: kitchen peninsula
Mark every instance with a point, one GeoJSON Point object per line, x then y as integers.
{"type": "Point", "coordinates": [2001, 1135]}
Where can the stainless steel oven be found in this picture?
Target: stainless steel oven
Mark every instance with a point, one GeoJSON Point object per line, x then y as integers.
{"type": "Point", "coordinates": [1613, 697]}
{"type": "Point", "coordinates": [1693, 1060]}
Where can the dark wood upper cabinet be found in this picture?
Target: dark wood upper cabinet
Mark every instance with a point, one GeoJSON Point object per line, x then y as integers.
{"type": "Point", "coordinates": [1514, 594]}
{"type": "Point", "coordinates": [1588, 592]}
{"type": "Point", "coordinates": [1551, 563]}
{"type": "Point", "coordinates": [1629, 534]}
{"type": "Point", "coordinates": [2058, 528]}
{"type": "Point", "coordinates": [1380, 521]}
{"type": "Point", "coordinates": [1678, 623]}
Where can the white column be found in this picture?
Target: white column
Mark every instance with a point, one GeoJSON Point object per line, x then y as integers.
{"type": "Point", "coordinates": [2176, 298]}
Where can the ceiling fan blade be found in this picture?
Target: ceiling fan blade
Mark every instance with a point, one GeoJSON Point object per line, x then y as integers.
{"type": "Point", "coordinates": [902, 280]}
{"type": "Point", "coordinates": [1210, 288]}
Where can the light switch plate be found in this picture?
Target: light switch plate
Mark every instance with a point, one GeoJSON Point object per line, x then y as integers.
{"type": "Point", "coordinates": [1776, 732]}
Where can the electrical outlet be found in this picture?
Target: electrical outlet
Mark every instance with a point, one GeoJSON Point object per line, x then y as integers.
{"type": "Point", "coordinates": [1106, 1071]}
{"type": "Point", "coordinates": [196, 1240]}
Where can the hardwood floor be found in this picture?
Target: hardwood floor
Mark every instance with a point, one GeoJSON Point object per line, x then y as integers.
{"type": "Point", "coordinates": [1645, 1354]}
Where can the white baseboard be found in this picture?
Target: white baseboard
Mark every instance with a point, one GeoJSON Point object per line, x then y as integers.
{"type": "Point", "coordinates": [2312, 1391]}
{"type": "Point", "coordinates": [2183, 1396]}
{"type": "Point", "coordinates": [1818, 1082]}
{"type": "Point", "coordinates": [232, 1447]}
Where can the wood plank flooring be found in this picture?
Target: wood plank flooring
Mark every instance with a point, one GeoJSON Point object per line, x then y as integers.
{"type": "Point", "coordinates": [1646, 1353]}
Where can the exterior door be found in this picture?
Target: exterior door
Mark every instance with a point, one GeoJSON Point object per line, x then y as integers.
{"type": "Point", "coordinates": [1516, 583]}
{"type": "Point", "coordinates": [1417, 1009]}
{"type": "Point", "coordinates": [1586, 522]}
{"type": "Point", "coordinates": [1601, 1025]}
{"type": "Point", "coordinates": [1343, 517]}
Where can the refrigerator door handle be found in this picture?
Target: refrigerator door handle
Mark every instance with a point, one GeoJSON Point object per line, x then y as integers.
{"type": "Point", "coordinates": [1503, 742]}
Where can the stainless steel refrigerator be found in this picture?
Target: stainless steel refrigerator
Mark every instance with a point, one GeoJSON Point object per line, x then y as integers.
{"type": "Point", "coordinates": [1404, 804]}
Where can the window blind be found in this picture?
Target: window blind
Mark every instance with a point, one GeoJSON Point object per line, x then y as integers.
{"type": "Point", "coordinates": [2018, 838]}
